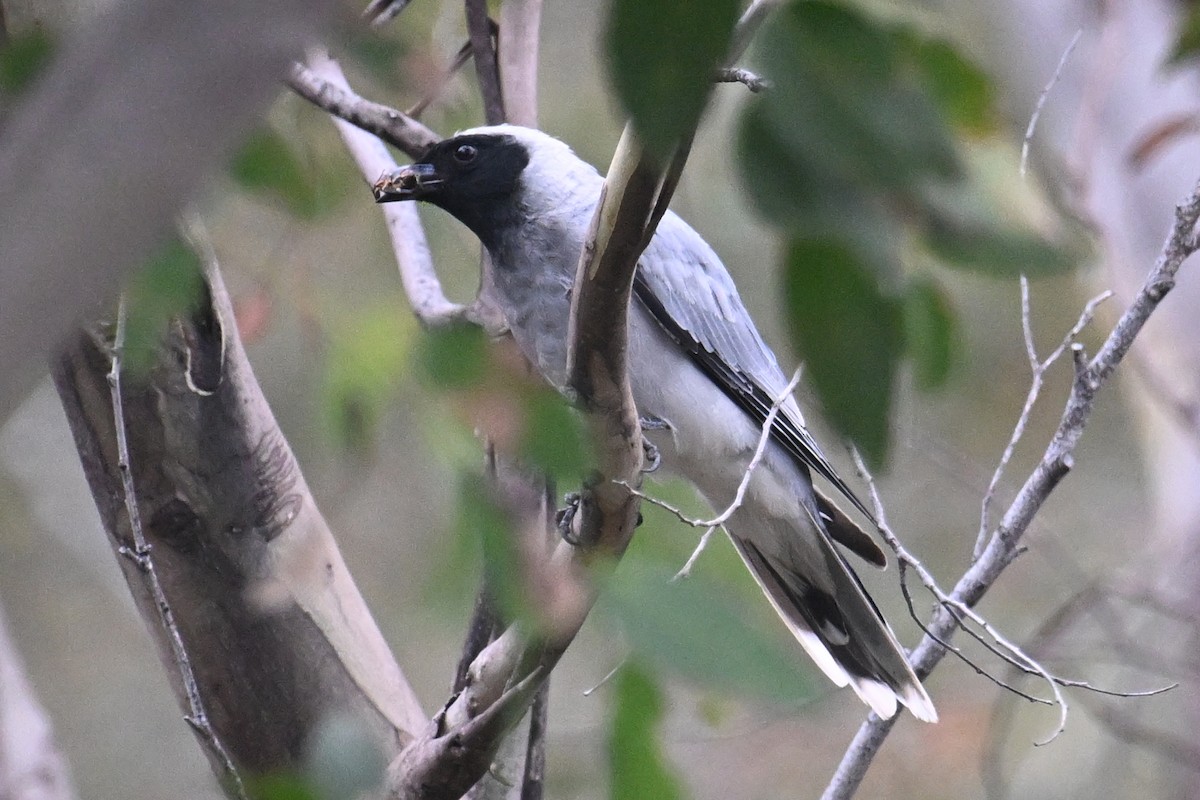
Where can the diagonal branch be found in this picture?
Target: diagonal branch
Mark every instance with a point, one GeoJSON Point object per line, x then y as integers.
{"type": "Point", "coordinates": [1056, 462]}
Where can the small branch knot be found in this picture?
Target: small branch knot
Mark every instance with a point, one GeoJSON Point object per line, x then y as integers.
{"type": "Point", "coordinates": [1157, 290]}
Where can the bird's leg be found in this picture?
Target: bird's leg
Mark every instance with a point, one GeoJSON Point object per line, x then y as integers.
{"type": "Point", "coordinates": [651, 457]}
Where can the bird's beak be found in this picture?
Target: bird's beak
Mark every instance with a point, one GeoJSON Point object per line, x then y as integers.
{"type": "Point", "coordinates": [407, 183]}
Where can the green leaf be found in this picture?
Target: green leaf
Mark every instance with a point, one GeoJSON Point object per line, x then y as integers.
{"type": "Point", "coordinates": [962, 90]}
{"type": "Point", "coordinates": [454, 357]}
{"type": "Point", "coordinates": [637, 767]}
{"type": "Point", "coordinates": [842, 103]}
{"type": "Point", "coordinates": [171, 283]}
{"type": "Point", "coordinates": [279, 786]}
{"type": "Point", "coordinates": [985, 246]}
{"type": "Point", "coordinates": [689, 627]}
{"type": "Point", "coordinates": [366, 358]}
{"type": "Point", "coordinates": [850, 336]}
{"type": "Point", "coordinates": [931, 332]}
{"type": "Point", "coordinates": [268, 164]}
{"type": "Point", "coordinates": [555, 440]}
{"type": "Point", "coordinates": [662, 55]}
{"type": "Point", "coordinates": [24, 58]}
{"type": "Point", "coordinates": [799, 194]}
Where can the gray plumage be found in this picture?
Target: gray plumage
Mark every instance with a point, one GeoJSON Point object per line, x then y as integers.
{"type": "Point", "coordinates": [696, 362]}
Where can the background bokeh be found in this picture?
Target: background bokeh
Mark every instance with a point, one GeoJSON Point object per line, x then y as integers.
{"type": "Point", "coordinates": [331, 340]}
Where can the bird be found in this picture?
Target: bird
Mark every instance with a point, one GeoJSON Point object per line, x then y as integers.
{"type": "Point", "coordinates": [698, 368]}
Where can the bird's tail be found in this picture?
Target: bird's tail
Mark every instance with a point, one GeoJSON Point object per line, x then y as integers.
{"type": "Point", "coordinates": [824, 604]}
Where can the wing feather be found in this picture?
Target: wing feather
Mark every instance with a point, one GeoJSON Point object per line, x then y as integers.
{"type": "Point", "coordinates": [698, 305]}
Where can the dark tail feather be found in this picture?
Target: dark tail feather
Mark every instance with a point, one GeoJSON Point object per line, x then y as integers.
{"type": "Point", "coordinates": [841, 630]}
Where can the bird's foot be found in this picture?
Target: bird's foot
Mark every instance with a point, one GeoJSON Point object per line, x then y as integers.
{"type": "Point", "coordinates": [653, 423]}
{"type": "Point", "coordinates": [651, 457]}
{"type": "Point", "coordinates": [565, 518]}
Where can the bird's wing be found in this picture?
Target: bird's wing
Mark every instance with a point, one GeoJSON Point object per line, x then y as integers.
{"type": "Point", "coordinates": [684, 286]}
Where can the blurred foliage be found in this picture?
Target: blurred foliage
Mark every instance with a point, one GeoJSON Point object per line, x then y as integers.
{"type": "Point", "coordinates": [280, 787]}
{"type": "Point", "coordinates": [1187, 38]}
{"type": "Point", "coordinates": [836, 301]}
{"type": "Point", "coordinates": [454, 357]}
{"type": "Point", "coordinates": [269, 164]}
{"type": "Point", "coordinates": [170, 284]}
{"type": "Point", "coordinates": [662, 55]}
{"type": "Point", "coordinates": [23, 58]}
{"type": "Point", "coordinates": [861, 156]}
{"type": "Point", "coordinates": [379, 52]}
{"type": "Point", "coordinates": [494, 393]}
{"type": "Point", "coordinates": [931, 332]}
{"type": "Point", "coordinates": [672, 624]}
{"type": "Point", "coordinates": [344, 760]}
{"type": "Point", "coordinates": [555, 440]}
{"type": "Point", "coordinates": [637, 766]}
{"type": "Point", "coordinates": [368, 355]}
{"type": "Point", "coordinates": [483, 525]}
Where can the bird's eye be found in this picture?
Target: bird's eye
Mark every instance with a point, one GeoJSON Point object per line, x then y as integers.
{"type": "Point", "coordinates": [465, 154]}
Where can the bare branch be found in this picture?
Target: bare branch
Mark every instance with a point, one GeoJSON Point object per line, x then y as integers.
{"type": "Point", "coordinates": [1054, 465]}
{"type": "Point", "coordinates": [380, 12]}
{"type": "Point", "coordinates": [1039, 368]}
{"type": "Point", "coordinates": [420, 280]}
{"type": "Point", "coordinates": [520, 21]}
{"type": "Point", "coordinates": [277, 634]}
{"type": "Point", "coordinates": [750, 80]}
{"type": "Point", "coordinates": [739, 497]}
{"type": "Point", "coordinates": [329, 92]}
{"type": "Point", "coordinates": [483, 49]}
{"type": "Point", "coordinates": [534, 779]}
{"type": "Point", "coordinates": [1041, 101]}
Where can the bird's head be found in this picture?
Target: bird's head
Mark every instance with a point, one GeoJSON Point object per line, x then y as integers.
{"type": "Point", "coordinates": [491, 176]}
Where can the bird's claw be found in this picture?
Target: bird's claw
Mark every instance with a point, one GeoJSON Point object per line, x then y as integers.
{"type": "Point", "coordinates": [651, 457]}
{"type": "Point", "coordinates": [653, 423]}
{"type": "Point", "coordinates": [564, 520]}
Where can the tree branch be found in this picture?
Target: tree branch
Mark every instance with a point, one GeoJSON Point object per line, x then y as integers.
{"type": "Point", "coordinates": [326, 89]}
{"type": "Point", "coordinates": [356, 120]}
{"type": "Point", "coordinates": [1056, 461]}
{"type": "Point", "coordinates": [277, 636]}
{"type": "Point", "coordinates": [520, 21]}
{"type": "Point", "coordinates": [479, 28]}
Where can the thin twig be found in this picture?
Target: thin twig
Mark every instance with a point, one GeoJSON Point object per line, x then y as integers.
{"type": "Point", "coordinates": [686, 570]}
{"type": "Point", "coordinates": [533, 779]}
{"type": "Point", "coordinates": [140, 555]}
{"type": "Point", "coordinates": [760, 450]}
{"type": "Point", "coordinates": [460, 60]}
{"type": "Point", "coordinates": [1041, 101]}
{"type": "Point", "coordinates": [608, 676]}
{"type": "Point", "coordinates": [1056, 462]}
{"type": "Point", "coordinates": [380, 12]}
{"type": "Point", "coordinates": [1038, 368]}
{"type": "Point", "coordinates": [752, 81]}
